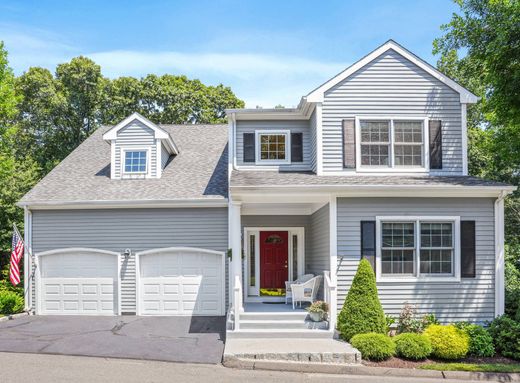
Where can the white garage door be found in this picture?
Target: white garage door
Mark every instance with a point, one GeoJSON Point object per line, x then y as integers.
{"type": "Point", "coordinates": [76, 282]}
{"type": "Point", "coordinates": [181, 282]}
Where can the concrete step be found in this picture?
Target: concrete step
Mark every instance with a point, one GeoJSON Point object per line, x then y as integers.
{"type": "Point", "coordinates": [273, 324]}
{"type": "Point", "coordinates": [328, 351]}
{"type": "Point", "coordinates": [274, 316]}
{"type": "Point", "coordinates": [277, 333]}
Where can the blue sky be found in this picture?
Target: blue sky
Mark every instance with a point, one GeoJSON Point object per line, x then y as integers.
{"type": "Point", "coordinates": [269, 52]}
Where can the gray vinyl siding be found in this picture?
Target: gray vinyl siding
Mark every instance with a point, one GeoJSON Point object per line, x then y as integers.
{"type": "Point", "coordinates": [296, 126]}
{"type": "Point", "coordinates": [318, 254]}
{"type": "Point", "coordinates": [313, 142]}
{"type": "Point", "coordinates": [135, 229]}
{"type": "Point", "coordinates": [391, 85]}
{"type": "Point", "coordinates": [472, 299]}
{"type": "Point", "coordinates": [135, 135]}
{"type": "Point", "coordinates": [165, 156]}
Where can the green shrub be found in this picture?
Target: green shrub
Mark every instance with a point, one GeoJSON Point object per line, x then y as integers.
{"type": "Point", "coordinates": [10, 303]}
{"type": "Point", "coordinates": [480, 341]}
{"type": "Point", "coordinates": [409, 321]}
{"type": "Point", "coordinates": [506, 335]}
{"type": "Point", "coordinates": [374, 346]}
{"type": "Point", "coordinates": [448, 342]}
{"type": "Point", "coordinates": [362, 312]}
{"type": "Point", "coordinates": [412, 346]}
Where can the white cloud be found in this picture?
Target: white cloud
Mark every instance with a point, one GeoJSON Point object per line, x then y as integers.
{"type": "Point", "coordinates": [258, 78]}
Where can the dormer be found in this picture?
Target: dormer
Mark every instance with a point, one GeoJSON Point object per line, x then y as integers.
{"type": "Point", "coordinates": [139, 148]}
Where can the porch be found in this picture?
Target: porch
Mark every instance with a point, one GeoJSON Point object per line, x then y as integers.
{"type": "Point", "coordinates": [279, 243]}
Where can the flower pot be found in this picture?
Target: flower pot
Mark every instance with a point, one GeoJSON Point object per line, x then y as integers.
{"type": "Point", "coordinates": [316, 317]}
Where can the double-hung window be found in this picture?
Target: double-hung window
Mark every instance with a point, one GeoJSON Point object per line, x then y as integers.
{"type": "Point", "coordinates": [418, 248]}
{"type": "Point", "coordinates": [273, 147]}
{"type": "Point", "coordinates": [398, 144]}
{"type": "Point", "coordinates": [135, 161]}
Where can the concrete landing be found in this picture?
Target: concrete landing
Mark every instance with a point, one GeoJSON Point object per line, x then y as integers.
{"type": "Point", "coordinates": [330, 351]}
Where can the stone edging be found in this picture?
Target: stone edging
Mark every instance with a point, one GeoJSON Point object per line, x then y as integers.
{"type": "Point", "coordinates": [14, 316]}
{"type": "Point", "coordinates": [326, 368]}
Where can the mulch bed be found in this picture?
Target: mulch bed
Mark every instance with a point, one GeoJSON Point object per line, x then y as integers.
{"type": "Point", "coordinates": [404, 363]}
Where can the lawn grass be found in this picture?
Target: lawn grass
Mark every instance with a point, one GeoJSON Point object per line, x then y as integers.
{"type": "Point", "coordinates": [485, 367]}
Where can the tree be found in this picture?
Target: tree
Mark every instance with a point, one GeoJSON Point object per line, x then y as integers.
{"type": "Point", "coordinates": [480, 50]}
{"type": "Point", "coordinates": [8, 97]}
{"type": "Point", "coordinates": [362, 311]}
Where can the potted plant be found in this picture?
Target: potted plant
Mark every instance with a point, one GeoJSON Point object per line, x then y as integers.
{"type": "Point", "coordinates": [318, 311]}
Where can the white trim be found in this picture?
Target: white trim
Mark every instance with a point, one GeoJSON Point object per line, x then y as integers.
{"type": "Point", "coordinates": [418, 277]}
{"type": "Point", "coordinates": [174, 249]}
{"type": "Point", "coordinates": [281, 209]}
{"type": "Point", "coordinates": [499, 257]}
{"type": "Point", "coordinates": [391, 168]}
{"type": "Point", "coordinates": [286, 133]}
{"type": "Point", "coordinates": [27, 258]}
{"type": "Point", "coordinates": [115, 204]}
{"type": "Point", "coordinates": [333, 236]}
{"type": "Point", "coordinates": [317, 95]}
{"type": "Point", "coordinates": [319, 139]}
{"type": "Point", "coordinates": [148, 168]}
{"type": "Point", "coordinates": [235, 244]}
{"type": "Point", "coordinates": [113, 159]}
{"type": "Point", "coordinates": [464, 126]}
{"type": "Point", "coordinates": [38, 276]}
{"type": "Point", "coordinates": [158, 132]}
{"type": "Point", "coordinates": [299, 231]}
{"type": "Point", "coordinates": [158, 158]}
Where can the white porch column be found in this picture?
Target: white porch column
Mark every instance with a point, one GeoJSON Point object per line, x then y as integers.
{"type": "Point", "coordinates": [333, 236]}
{"type": "Point", "coordinates": [499, 256]}
{"type": "Point", "coordinates": [235, 244]}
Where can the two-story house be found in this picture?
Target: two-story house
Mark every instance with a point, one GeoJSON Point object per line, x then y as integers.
{"type": "Point", "coordinates": [214, 220]}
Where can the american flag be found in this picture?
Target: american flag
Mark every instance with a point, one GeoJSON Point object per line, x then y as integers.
{"type": "Point", "coordinates": [16, 256]}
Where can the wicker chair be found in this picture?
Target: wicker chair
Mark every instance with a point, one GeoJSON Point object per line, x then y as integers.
{"type": "Point", "coordinates": [288, 291]}
{"type": "Point", "coordinates": [307, 291]}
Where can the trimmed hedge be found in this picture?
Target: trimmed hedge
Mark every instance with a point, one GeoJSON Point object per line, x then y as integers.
{"type": "Point", "coordinates": [448, 342]}
{"type": "Point", "coordinates": [362, 312]}
{"type": "Point", "coordinates": [506, 334]}
{"type": "Point", "coordinates": [480, 341]}
{"type": "Point", "coordinates": [10, 303]}
{"type": "Point", "coordinates": [412, 346]}
{"type": "Point", "coordinates": [374, 346]}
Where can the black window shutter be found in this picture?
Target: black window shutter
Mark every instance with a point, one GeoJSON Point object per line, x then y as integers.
{"type": "Point", "coordinates": [249, 147]}
{"type": "Point", "coordinates": [368, 241]}
{"type": "Point", "coordinates": [349, 143]}
{"type": "Point", "coordinates": [467, 249]}
{"type": "Point", "coordinates": [296, 147]}
{"type": "Point", "coordinates": [435, 128]}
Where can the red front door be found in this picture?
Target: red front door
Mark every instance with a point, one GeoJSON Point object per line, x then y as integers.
{"type": "Point", "coordinates": [274, 254]}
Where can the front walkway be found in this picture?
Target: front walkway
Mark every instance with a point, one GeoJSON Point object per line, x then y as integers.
{"type": "Point", "coordinates": [171, 339]}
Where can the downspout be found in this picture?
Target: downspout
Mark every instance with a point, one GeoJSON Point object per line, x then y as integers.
{"type": "Point", "coordinates": [499, 254]}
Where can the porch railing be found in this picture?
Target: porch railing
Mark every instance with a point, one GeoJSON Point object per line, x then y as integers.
{"type": "Point", "coordinates": [237, 301]}
{"type": "Point", "coordinates": [330, 296]}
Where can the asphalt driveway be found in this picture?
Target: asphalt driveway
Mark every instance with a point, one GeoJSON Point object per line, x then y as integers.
{"type": "Point", "coordinates": [172, 339]}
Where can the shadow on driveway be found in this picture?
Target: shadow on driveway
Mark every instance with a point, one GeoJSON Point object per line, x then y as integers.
{"type": "Point", "coordinates": [171, 339]}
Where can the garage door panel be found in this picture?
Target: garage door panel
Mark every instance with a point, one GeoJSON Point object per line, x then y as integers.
{"type": "Point", "coordinates": [79, 283]}
{"type": "Point", "coordinates": [186, 278]}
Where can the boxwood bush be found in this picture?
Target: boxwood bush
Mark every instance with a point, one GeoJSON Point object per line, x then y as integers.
{"type": "Point", "coordinates": [374, 346]}
{"type": "Point", "coordinates": [362, 312]}
{"type": "Point", "coordinates": [412, 346]}
{"type": "Point", "coordinates": [448, 342]}
{"type": "Point", "coordinates": [506, 335]}
{"type": "Point", "coordinates": [10, 302]}
{"type": "Point", "coordinates": [480, 341]}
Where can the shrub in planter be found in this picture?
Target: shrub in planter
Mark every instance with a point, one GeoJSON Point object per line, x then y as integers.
{"type": "Point", "coordinates": [412, 346]}
{"type": "Point", "coordinates": [362, 311]}
{"type": "Point", "coordinates": [448, 342]}
{"type": "Point", "coordinates": [10, 303]}
{"type": "Point", "coordinates": [506, 335]}
{"type": "Point", "coordinates": [318, 311]}
{"type": "Point", "coordinates": [480, 341]}
{"type": "Point", "coordinates": [374, 346]}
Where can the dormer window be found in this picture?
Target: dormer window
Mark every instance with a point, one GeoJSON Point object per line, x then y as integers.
{"type": "Point", "coordinates": [273, 147]}
{"type": "Point", "coordinates": [135, 162]}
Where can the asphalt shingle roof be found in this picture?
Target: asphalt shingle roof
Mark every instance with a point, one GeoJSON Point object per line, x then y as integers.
{"type": "Point", "coordinates": [198, 171]}
{"type": "Point", "coordinates": [265, 178]}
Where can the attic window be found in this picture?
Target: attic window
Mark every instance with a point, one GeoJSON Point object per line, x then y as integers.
{"type": "Point", "coordinates": [135, 161]}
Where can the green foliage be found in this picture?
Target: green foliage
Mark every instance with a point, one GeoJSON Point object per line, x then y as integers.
{"type": "Point", "coordinates": [409, 322]}
{"type": "Point", "coordinates": [512, 276]}
{"type": "Point", "coordinates": [390, 321]}
{"type": "Point", "coordinates": [506, 335]}
{"type": "Point", "coordinates": [318, 307]}
{"type": "Point", "coordinates": [374, 346]}
{"type": "Point", "coordinates": [413, 346]}
{"type": "Point", "coordinates": [10, 302]}
{"type": "Point", "coordinates": [8, 97]}
{"type": "Point", "coordinates": [480, 341]}
{"type": "Point", "coordinates": [362, 311]}
{"type": "Point", "coordinates": [448, 342]}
